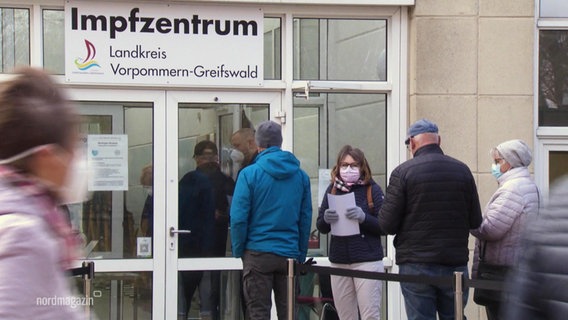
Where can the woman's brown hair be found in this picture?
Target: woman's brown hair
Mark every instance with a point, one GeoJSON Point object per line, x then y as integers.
{"type": "Point", "coordinates": [357, 155]}
{"type": "Point", "coordinates": [34, 112]}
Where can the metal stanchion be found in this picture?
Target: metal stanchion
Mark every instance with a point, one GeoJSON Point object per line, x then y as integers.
{"type": "Point", "coordinates": [458, 295]}
{"type": "Point", "coordinates": [291, 291]}
{"type": "Point", "coordinates": [87, 278]}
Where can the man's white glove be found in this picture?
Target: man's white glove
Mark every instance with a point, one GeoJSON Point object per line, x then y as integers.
{"type": "Point", "coordinates": [355, 213]}
{"type": "Point", "coordinates": [330, 216]}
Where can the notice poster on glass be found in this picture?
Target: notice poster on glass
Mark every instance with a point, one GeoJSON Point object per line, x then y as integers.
{"type": "Point", "coordinates": [108, 159]}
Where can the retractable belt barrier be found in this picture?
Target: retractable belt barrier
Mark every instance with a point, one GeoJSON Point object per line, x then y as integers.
{"type": "Point", "coordinates": [87, 269]}
{"type": "Point", "coordinates": [457, 281]}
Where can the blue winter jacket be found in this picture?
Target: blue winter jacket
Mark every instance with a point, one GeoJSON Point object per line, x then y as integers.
{"type": "Point", "coordinates": [271, 209]}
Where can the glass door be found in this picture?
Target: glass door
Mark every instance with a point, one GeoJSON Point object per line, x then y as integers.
{"type": "Point", "coordinates": [122, 136]}
{"type": "Point", "coordinates": [202, 279]}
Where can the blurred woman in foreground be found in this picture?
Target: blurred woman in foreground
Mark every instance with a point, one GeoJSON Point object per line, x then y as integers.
{"type": "Point", "coordinates": [39, 134]}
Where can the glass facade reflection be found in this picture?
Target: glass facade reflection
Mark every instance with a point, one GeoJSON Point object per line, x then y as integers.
{"type": "Point", "coordinates": [553, 78]}
{"type": "Point", "coordinates": [340, 49]}
{"type": "Point", "coordinates": [15, 38]}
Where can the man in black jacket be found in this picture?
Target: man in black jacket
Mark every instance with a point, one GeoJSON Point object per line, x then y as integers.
{"type": "Point", "coordinates": [431, 203]}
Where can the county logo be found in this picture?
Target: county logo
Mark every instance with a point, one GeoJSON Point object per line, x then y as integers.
{"type": "Point", "coordinates": [89, 62]}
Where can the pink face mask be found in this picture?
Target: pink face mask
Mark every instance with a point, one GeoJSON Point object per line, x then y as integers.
{"type": "Point", "coordinates": [349, 175]}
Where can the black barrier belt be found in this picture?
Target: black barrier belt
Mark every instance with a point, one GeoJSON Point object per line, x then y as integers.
{"type": "Point", "coordinates": [435, 281]}
{"type": "Point", "coordinates": [484, 284]}
{"type": "Point", "coordinates": [87, 269]}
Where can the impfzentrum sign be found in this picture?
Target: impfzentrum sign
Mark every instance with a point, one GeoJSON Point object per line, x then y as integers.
{"type": "Point", "coordinates": [163, 44]}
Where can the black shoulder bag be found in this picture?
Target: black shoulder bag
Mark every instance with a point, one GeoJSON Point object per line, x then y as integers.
{"type": "Point", "coordinates": [487, 271]}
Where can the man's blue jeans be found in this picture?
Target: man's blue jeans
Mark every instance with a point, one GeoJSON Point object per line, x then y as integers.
{"type": "Point", "coordinates": [422, 301]}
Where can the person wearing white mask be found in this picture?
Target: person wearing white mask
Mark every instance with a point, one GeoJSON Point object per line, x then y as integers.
{"type": "Point", "coordinates": [245, 146]}
{"type": "Point", "coordinates": [355, 296]}
{"type": "Point", "coordinates": [39, 130]}
{"type": "Point", "coordinates": [507, 211]}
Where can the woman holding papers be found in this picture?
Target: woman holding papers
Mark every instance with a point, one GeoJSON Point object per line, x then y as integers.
{"type": "Point", "coordinates": [349, 212]}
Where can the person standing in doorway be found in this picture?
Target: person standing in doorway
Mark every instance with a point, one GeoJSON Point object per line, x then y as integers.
{"type": "Point", "coordinates": [196, 214]}
{"type": "Point", "coordinates": [243, 155]}
{"type": "Point", "coordinates": [206, 156]}
{"type": "Point", "coordinates": [147, 217]}
{"type": "Point", "coordinates": [363, 251]}
{"type": "Point", "coordinates": [271, 217]}
{"type": "Point", "coordinates": [245, 146]}
{"type": "Point", "coordinates": [431, 204]}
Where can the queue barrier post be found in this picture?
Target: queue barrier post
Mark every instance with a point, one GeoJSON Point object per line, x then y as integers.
{"type": "Point", "coordinates": [87, 273]}
{"type": "Point", "coordinates": [291, 281]}
{"type": "Point", "coordinates": [458, 295]}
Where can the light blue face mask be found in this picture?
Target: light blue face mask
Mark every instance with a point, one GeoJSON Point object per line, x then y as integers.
{"type": "Point", "coordinates": [496, 170]}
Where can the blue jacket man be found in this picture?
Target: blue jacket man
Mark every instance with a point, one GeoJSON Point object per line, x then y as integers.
{"type": "Point", "coordinates": [271, 215]}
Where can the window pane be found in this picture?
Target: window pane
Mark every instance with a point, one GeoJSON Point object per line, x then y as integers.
{"type": "Point", "coordinates": [212, 295]}
{"type": "Point", "coordinates": [54, 41]}
{"type": "Point", "coordinates": [340, 49]}
{"type": "Point", "coordinates": [323, 125]}
{"type": "Point", "coordinates": [553, 9]}
{"type": "Point", "coordinates": [119, 224]}
{"type": "Point", "coordinates": [557, 165]}
{"type": "Point", "coordinates": [553, 78]}
{"type": "Point", "coordinates": [206, 182]}
{"type": "Point", "coordinates": [119, 296]}
{"type": "Point", "coordinates": [15, 38]}
{"type": "Point", "coordinates": [272, 49]}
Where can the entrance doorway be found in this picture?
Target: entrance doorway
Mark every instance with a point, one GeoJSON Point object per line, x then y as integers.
{"type": "Point", "coordinates": [133, 233]}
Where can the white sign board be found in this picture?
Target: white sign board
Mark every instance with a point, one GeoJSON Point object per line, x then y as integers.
{"type": "Point", "coordinates": [107, 156]}
{"type": "Point", "coordinates": [163, 44]}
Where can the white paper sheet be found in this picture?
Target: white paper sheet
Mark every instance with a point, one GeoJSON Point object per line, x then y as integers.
{"type": "Point", "coordinates": [340, 203]}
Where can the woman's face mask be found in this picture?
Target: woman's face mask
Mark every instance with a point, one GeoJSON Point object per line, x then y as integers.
{"type": "Point", "coordinates": [496, 170]}
{"type": "Point", "coordinates": [349, 174]}
{"type": "Point", "coordinates": [74, 186]}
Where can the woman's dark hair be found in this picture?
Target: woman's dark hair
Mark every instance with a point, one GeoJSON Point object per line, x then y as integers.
{"type": "Point", "coordinates": [34, 112]}
{"type": "Point", "coordinates": [358, 156]}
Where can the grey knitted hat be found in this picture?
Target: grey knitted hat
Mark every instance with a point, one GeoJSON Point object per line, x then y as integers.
{"type": "Point", "coordinates": [268, 134]}
{"type": "Point", "coordinates": [516, 152]}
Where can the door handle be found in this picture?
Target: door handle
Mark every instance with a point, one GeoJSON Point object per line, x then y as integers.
{"type": "Point", "coordinates": [173, 231]}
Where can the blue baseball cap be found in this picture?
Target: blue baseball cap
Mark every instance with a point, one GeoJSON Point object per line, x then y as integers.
{"type": "Point", "coordinates": [419, 127]}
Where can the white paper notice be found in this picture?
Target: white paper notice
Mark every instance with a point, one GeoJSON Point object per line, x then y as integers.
{"type": "Point", "coordinates": [108, 158]}
{"type": "Point", "coordinates": [340, 203]}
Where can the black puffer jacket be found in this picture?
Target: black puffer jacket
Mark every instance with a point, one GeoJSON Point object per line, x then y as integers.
{"type": "Point", "coordinates": [362, 247]}
{"type": "Point", "coordinates": [431, 204]}
{"type": "Point", "coordinates": [538, 286]}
